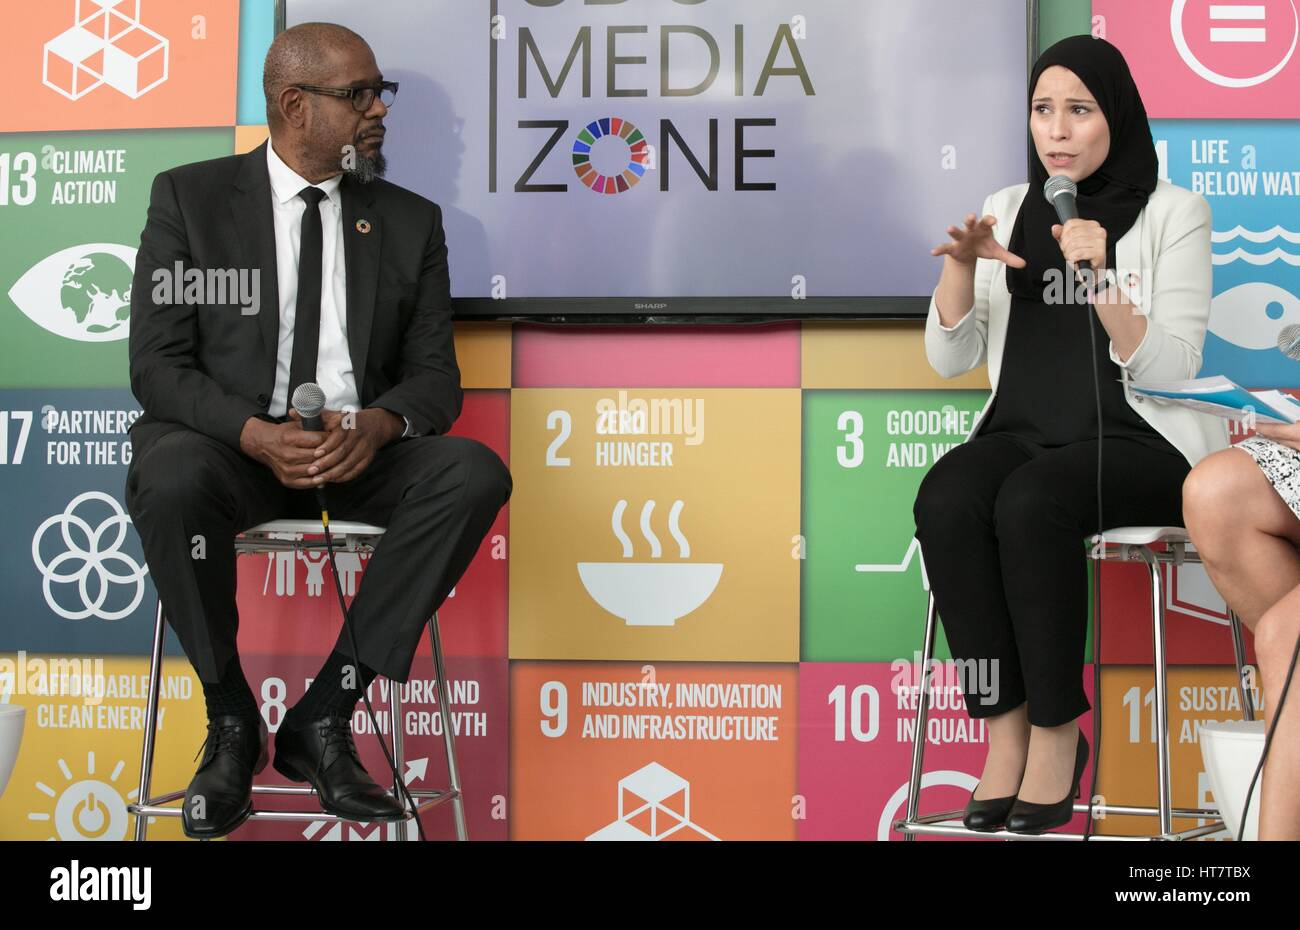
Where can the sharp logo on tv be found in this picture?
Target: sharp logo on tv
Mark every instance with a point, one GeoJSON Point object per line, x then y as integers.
{"type": "Point", "coordinates": [689, 69]}
{"type": "Point", "coordinates": [82, 292]}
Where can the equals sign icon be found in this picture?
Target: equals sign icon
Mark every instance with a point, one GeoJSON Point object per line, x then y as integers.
{"type": "Point", "coordinates": [1237, 12]}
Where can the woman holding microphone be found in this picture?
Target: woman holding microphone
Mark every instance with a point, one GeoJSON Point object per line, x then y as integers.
{"type": "Point", "coordinates": [1002, 519]}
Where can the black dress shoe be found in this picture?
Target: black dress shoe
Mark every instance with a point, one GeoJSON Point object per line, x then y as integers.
{"type": "Point", "coordinates": [987, 814]}
{"type": "Point", "coordinates": [1031, 818]}
{"type": "Point", "coordinates": [220, 796]}
{"type": "Point", "coordinates": [322, 753]}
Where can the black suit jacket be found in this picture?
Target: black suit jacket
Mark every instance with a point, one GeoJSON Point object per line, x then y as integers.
{"type": "Point", "coordinates": [210, 367]}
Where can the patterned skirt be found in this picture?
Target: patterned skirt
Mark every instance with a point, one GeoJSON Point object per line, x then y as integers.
{"type": "Point", "coordinates": [1281, 466]}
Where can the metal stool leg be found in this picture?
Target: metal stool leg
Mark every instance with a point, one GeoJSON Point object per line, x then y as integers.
{"type": "Point", "coordinates": [150, 723]}
{"type": "Point", "coordinates": [444, 710]}
{"type": "Point", "coordinates": [407, 829]}
{"type": "Point", "coordinates": [1163, 785]}
{"type": "Point", "coordinates": [922, 716]}
{"type": "Point", "coordinates": [1239, 655]}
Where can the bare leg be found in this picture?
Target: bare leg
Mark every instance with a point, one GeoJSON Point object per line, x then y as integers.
{"type": "Point", "coordinates": [1005, 763]}
{"type": "Point", "coordinates": [1275, 641]}
{"type": "Point", "coordinates": [1244, 532]}
{"type": "Point", "coordinates": [1248, 537]}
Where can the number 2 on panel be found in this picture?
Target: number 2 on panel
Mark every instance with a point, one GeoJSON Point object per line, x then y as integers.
{"type": "Point", "coordinates": [564, 421]}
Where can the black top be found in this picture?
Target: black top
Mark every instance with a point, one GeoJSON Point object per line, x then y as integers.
{"type": "Point", "coordinates": [1046, 393]}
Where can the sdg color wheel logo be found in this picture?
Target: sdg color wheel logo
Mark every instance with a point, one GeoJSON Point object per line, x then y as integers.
{"type": "Point", "coordinates": [634, 148]}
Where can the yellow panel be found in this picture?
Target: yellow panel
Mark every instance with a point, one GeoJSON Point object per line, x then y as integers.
{"type": "Point", "coordinates": [248, 138]}
{"type": "Point", "coordinates": [886, 354]}
{"type": "Point", "coordinates": [687, 552]}
{"type": "Point", "coordinates": [483, 354]}
{"type": "Point", "coordinates": [79, 759]}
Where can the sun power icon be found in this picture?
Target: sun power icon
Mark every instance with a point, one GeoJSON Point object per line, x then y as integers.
{"type": "Point", "coordinates": [86, 808]}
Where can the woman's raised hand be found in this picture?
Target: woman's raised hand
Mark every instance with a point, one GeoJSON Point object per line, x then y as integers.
{"type": "Point", "coordinates": [975, 240]}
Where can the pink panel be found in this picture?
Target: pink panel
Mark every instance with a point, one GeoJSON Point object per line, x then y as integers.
{"type": "Point", "coordinates": [479, 710]}
{"type": "Point", "coordinates": [1236, 64]}
{"type": "Point", "coordinates": [854, 779]}
{"type": "Point", "coordinates": [669, 356]}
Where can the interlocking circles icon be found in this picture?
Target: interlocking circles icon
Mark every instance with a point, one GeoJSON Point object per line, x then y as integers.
{"type": "Point", "coordinates": [92, 558]}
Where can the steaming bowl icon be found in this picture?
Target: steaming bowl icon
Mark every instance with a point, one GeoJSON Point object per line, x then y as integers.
{"type": "Point", "coordinates": [650, 593]}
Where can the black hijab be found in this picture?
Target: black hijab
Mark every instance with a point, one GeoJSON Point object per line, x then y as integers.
{"type": "Point", "coordinates": [1115, 193]}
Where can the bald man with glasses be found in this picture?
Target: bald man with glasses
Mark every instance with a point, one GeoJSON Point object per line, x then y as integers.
{"type": "Point", "coordinates": [354, 295]}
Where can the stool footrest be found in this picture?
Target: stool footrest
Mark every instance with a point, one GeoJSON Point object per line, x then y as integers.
{"type": "Point", "coordinates": [157, 806]}
{"type": "Point", "coordinates": [949, 823]}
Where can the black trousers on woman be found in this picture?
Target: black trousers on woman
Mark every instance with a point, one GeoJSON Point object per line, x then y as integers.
{"type": "Point", "coordinates": [1002, 524]}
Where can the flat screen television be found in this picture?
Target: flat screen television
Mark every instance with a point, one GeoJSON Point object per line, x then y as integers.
{"type": "Point", "coordinates": [608, 160]}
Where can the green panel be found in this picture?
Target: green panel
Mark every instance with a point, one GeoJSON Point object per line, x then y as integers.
{"type": "Point", "coordinates": [861, 471]}
{"type": "Point", "coordinates": [857, 510]}
{"type": "Point", "coordinates": [1060, 18]}
{"type": "Point", "coordinates": [62, 318]}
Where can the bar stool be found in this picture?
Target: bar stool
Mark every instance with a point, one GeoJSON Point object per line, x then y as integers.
{"type": "Point", "coordinates": [295, 536]}
{"type": "Point", "coordinates": [1124, 544]}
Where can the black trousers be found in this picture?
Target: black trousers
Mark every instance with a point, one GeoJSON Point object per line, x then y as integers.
{"type": "Point", "coordinates": [1002, 525]}
{"type": "Point", "coordinates": [436, 495]}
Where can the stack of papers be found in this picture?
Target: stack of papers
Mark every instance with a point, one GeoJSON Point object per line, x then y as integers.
{"type": "Point", "coordinates": [1222, 397]}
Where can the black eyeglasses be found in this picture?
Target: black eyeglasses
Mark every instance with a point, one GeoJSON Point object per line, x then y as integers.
{"type": "Point", "coordinates": [362, 97]}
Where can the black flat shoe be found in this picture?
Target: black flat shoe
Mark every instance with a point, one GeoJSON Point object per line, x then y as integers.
{"type": "Point", "coordinates": [322, 753]}
{"type": "Point", "coordinates": [987, 814]}
{"type": "Point", "coordinates": [220, 796]}
{"type": "Point", "coordinates": [1028, 817]}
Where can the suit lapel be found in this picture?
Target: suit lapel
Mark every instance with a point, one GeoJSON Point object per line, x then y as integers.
{"type": "Point", "coordinates": [362, 235]}
{"type": "Point", "coordinates": [251, 216]}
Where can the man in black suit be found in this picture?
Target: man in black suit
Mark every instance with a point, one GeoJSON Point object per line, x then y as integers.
{"type": "Point", "coordinates": [353, 293]}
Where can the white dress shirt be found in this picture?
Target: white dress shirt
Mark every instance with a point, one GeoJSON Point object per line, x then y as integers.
{"type": "Point", "coordinates": [333, 360]}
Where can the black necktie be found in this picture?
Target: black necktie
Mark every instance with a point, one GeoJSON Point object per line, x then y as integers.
{"type": "Point", "coordinates": [306, 319]}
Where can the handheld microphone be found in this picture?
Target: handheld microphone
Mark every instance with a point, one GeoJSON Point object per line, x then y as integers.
{"type": "Point", "coordinates": [309, 401]}
{"type": "Point", "coordinates": [1061, 192]}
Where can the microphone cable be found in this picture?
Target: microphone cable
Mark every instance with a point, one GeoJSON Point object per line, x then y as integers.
{"type": "Point", "coordinates": [309, 400]}
{"type": "Point", "coordinates": [1054, 188]}
{"type": "Point", "coordinates": [1099, 541]}
{"type": "Point", "coordinates": [398, 781]}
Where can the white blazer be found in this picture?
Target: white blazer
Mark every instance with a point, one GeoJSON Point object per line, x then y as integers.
{"type": "Point", "coordinates": [1165, 270]}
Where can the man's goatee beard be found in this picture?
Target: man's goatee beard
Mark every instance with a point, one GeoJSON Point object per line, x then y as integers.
{"type": "Point", "coordinates": [368, 167]}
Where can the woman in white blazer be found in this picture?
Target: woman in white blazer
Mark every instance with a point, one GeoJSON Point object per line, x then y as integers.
{"type": "Point", "coordinates": [1002, 519]}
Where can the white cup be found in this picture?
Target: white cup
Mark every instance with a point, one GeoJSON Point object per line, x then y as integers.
{"type": "Point", "coordinates": [1231, 750]}
{"type": "Point", "coordinates": [11, 734]}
